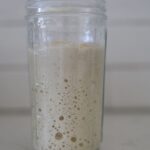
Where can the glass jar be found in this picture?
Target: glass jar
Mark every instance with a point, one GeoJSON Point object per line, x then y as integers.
{"type": "Point", "coordinates": [66, 62]}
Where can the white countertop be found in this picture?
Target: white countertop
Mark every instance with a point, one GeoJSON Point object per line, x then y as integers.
{"type": "Point", "coordinates": [121, 132]}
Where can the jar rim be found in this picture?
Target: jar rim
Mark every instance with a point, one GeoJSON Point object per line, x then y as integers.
{"type": "Point", "coordinates": [96, 7]}
{"type": "Point", "coordinates": [81, 2]}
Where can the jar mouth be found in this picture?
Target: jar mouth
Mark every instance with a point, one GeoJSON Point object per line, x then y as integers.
{"type": "Point", "coordinates": [92, 3]}
{"type": "Point", "coordinates": [66, 6]}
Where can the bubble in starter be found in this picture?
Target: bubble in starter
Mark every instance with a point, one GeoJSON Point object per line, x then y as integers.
{"type": "Point", "coordinates": [78, 108]}
{"type": "Point", "coordinates": [50, 147]}
{"type": "Point", "coordinates": [80, 144]}
{"type": "Point", "coordinates": [61, 118]}
{"type": "Point", "coordinates": [75, 97]}
{"type": "Point", "coordinates": [73, 139]}
{"type": "Point", "coordinates": [58, 136]}
{"type": "Point", "coordinates": [83, 118]}
{"type": "Point", "coordinates": [40, 109]}
{"type": "Point", "coordinates": [63, 145]}
{"type": "Point", "coordinates": [66, 80]}
{"type": "Point", "coordinates": [41, 91]}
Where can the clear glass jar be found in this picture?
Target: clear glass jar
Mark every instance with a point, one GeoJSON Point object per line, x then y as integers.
{"type": "Point", "coordinates": [66, 61]}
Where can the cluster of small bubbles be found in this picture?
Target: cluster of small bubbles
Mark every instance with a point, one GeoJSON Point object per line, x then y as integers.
{"type": "Point", "coordinates": [87, 141]}
{"type": "Point", "coordinates": [34, 90]}
{"type": "Point", "coordinates": [55, 128]}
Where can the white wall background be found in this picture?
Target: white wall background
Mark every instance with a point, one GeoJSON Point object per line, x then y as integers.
{"type": "Point", "coordinates": [128, 55]}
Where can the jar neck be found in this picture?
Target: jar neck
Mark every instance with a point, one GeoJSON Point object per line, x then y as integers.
{"type": "Point", "coordinates": [38, 7]}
